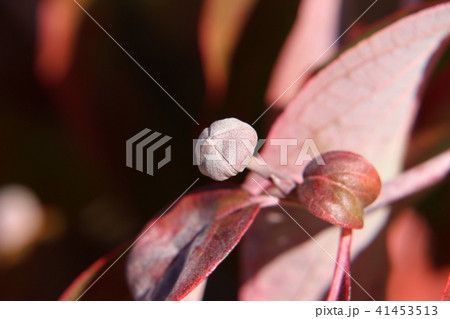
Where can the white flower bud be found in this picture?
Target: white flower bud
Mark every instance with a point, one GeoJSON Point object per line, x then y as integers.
{"type": "Point", "coordinates": [225, 148]}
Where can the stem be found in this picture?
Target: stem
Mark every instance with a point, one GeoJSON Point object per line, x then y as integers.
{"type": "Point", "coordinates": [340, 286]}
{"type": "Point", "coordinates": [413, 180]}
{"type": "Point", "coordinates": [265, 201]}
{"type": "Point", "coordinates": [282, 181]}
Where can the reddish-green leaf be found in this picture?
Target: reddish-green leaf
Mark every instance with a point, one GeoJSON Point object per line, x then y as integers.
{"type": "Point", "coordinates": [339, 190]}
{"type": "Point", "coordinates": [178, 251]}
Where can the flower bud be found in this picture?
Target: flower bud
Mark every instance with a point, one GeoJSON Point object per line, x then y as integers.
{"type": "Point", "coordinates": [225, 148]}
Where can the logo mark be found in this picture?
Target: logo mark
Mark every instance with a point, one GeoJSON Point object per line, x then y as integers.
{"type": "Point", "coordinates": [142, 144]}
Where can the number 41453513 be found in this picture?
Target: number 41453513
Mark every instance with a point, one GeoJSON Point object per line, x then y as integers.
{"type": "Point", "coordinates": [407, 310]}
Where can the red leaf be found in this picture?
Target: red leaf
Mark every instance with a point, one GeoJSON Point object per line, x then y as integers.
{"type": "Point", "coordinates": [183, 247]}
{"type": "Point", "coordinates": [414, 180]}
{"type": "Point", "coordinates": [105, 280]}
{"type": "Point", "coordinates": [308, 45]}
{"type": "Point", "coordinates": [365, 101]}
{"type": "Point", "coordinates": [207, 250]}
{"type": "Point", "coordinates": [111, 284]}
{"type": "Point", "coordinates": [77, 287]}
{"type": "Point", "coordinates": [340, 286]}
{"type": "Point", "coordinates": [219, 31]}
{"type": "Point", "coordinates": [281, 262]}
{"type": "Point", "coordinates": [339, 190]}
{"type": "Point", "coordinates": [446, 293]}
{"type": "Point", "coordinates": [57, 27]}
{"type": "Point", "coordinates": [412, 274]}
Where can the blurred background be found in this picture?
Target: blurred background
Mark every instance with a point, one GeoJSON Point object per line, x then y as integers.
{"type": "Point", "coordinates": [70, 98]}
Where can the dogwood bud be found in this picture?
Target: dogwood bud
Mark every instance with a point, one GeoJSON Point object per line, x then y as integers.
{"type": "Point", "coordinates": [225, 148]}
